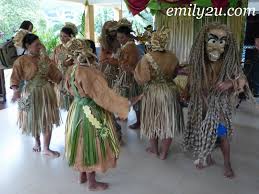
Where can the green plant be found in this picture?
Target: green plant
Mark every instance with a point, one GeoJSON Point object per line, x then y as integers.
{"type": "Point", "coordinates": [50, 40]}
{"type": "Point", "coordinates": [48, 35]}
{"type": "Point", "coordinates": [13, 12]}
{"type": "Point", "coordinates": [102, 14]}
{"type": "Point", "coordinates": [82, 27]}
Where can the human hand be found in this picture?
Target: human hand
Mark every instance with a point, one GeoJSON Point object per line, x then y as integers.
{"type": "Point", "coordinates": [16, 96]}
{"type": "Point", "coordinates": [104, 61]}
{"type": "Point", "coordinates": [136, 99]}
{"type": "Point", "coordinates": [224, 86]}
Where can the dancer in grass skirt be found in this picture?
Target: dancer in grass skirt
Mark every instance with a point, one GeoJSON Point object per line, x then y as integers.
{"type": "Point", "coordinates": [59, 56]}
{"type": "Point", "coordinates": [161, 114]}
{"type": "Point", "coordinates": [91, 141]}
{"type": "Point", "coordinates": [128, 56]}
{"type": "Point", "coordinates": [38, 110]}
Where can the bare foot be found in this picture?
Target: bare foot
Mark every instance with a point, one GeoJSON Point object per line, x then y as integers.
{"type": "Point", "coordinates": [37, 147]}
{"type": "Point", "coordinates": [228, 171]}
{"type": "Point", "coordinates": [98, 186]}
{"type": "Point", "coordinates": [152, 151]}
{"type": "Point", "coordinates": [210, 161]}
{"type": "Point", "coordinates": [163, 156]}
{"type": "Point", "coordinates": [200, 165]}
{"type": "Point", "coordinates": [51, 153]}
{"type": "Point", "coordinates": [83, 178]}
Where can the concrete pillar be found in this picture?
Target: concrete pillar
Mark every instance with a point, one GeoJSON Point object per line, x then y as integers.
{"type": "Point", "coordinates": [117, 14]}
{"type": "Point", "coordinates": [89, 22]}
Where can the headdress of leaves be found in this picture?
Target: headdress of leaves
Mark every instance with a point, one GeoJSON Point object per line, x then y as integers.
{"type": "Point", "coordinates": [124, 22]}
{"type": "Point", "coordinates": [159, 40]}
{"type": "Point", "coordinates": [78, 49]}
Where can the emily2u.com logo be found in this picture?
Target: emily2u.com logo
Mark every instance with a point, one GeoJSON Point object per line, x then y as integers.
{"type": "Point", "coordinates": [200, 12]}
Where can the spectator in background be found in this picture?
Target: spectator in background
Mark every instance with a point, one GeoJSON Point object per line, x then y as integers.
{"type": "Point", "coordinates": [25, 27]}
{"type": "Point", "coordinates": [252, 67]}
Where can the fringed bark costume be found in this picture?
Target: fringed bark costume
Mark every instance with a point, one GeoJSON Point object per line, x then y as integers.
{"type": "Point", "coordinates": [161, 114]}
{"type": "Point", "coordinates": [63, 97]}
{"type": "Point", "coordinates": [214, 61]}
{"type": "Point", "coordinates": [60, 58]}
{"type": "Point", "coordinates": [128, 56]}
{"type": "Point", "coordinates": [91, 141]}
{"type": "Point", "coordinates": [38, 108]}
{"type": "Point", "coordinates": [109, 47]}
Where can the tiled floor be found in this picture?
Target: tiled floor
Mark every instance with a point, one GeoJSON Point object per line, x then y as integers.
{"type": "Point", "coordinates": [25, 172]}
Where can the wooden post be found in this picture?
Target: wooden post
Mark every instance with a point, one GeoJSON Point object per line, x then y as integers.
{"type": "Point", "coordinates": [89, 22]}
{"type": "Point", "coordinates": [117, 14]}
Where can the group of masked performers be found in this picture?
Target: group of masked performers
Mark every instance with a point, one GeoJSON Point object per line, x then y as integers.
{"type": "Point", "coordinates": [96, 95]}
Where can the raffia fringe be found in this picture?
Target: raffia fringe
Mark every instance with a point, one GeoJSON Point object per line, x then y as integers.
{"type": "Point", "coordinates": [162, 114]}
{"type": "Point", "coordinates": [43, 112]}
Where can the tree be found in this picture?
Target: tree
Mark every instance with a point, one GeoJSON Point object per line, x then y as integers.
{"type": "Point", "coordinates": [139, 22]}
{"type": "Point", "coordinates": [13, 12]}
{"type": "Point", "coordinates": [48, 36]}
{"type": "Point", "coordinates": [102, 15]}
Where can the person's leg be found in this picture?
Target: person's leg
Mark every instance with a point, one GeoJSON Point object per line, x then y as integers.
{"type": "Point", "coordinates": [225, 148]}
{"type": "Point", "coordinates": [136, 91]}
{"type": "Point", "coordinates": [95, 185]}
{"type": "Point", "coordinates": [209, 162]}
{"type": "Point", "coordinates": [47, 150]}
{"type": "Point", "coordinates": [153, 148]}
{"type": "Point", "coordinates": [82, 177]}
{"type": "Point", "coordinates": [137, 124]}
{"type": "Point", "coordinates": [118, 132]}
{"type": "Point", "coordinates": [165, 148]}
{"type": "Point", "coordinates": [37, 146]}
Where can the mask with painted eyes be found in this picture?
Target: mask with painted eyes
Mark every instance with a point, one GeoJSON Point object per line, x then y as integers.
{"type": "Point", "coordinates": [216, 42]}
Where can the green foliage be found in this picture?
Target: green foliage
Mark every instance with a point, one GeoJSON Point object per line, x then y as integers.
{"type": "Point", "coordinates": [49, 39]}
{"type": "Point", "coordinates": [13, 12]}
{"type": "Point", "coordinates": [48, 36]}
{"type": "Point", "coordinates": [82, 26]}
{"type": "Point", "coordinates": [101, 16]}
{"type": "Point", "coordinates": [104, 14]}
{"type": "Point", "coordinates": [139, 21]}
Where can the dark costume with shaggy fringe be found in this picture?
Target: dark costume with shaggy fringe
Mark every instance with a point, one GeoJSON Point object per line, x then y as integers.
{"type": "Point", "coordinates": [209, 107]}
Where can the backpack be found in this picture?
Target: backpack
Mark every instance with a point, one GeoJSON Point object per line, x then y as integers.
{"type": "Point", "coordinates": [8, 54]}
